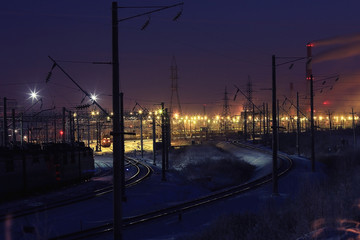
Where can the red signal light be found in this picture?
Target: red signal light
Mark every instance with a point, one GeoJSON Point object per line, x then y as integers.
{"type": "Point", "coordinates": [61, 132]}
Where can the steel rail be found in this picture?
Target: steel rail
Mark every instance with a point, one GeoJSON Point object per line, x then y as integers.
{"type": "Point", "coordinates": [185, 206]}
{"type": "Point", "coordinates": [75, 199]}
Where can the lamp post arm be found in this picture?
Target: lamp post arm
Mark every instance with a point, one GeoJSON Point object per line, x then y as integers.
{"type": "Point", "coordinates": [291, 61]}
{"type": "Point", "coordinates": [85, 92]}
{"type": "Point", "coordinates": [149, 12]}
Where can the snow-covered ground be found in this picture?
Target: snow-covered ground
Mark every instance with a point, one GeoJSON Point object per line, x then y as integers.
{"type": "Point", "coordinates": [198, 219]}
{"type": "Point", "coordinates": [154, 194]}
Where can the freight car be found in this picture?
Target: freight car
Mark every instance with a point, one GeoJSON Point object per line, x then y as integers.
{"type": "Point", "coordinates": [34, 167]}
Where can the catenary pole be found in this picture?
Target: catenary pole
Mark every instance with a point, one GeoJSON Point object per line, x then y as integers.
{"type": "Point", "coordinates": [117, 202]}
{"type": "Point", "coordinates": [312, 123]}
{"type": "Point", "coordinates": [163, 141]}
{"type": "Point", "coordinates": [154, 137]}
{"type": "Point", "coordinates": [297, 124]}
{"type": "Point", "coordinates": [5, 128]}
{"type": "Point", "coordinates": [274, 129]}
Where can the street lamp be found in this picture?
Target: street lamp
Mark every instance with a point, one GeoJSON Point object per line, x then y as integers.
{"type": "Point", "coordinates": [118, 117]}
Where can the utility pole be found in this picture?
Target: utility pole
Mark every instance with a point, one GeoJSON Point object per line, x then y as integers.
{"type": "Point", "coordinates": [245, 123]}
{"type": "Point", "coordinates": [163, 142]}
{"type": "Point", "coordinates": [329, 115]}
{"type": "Point", "coordinates": [167, 138]}
{"type": "Point", "coordinates": [73, 127]}
{"type": "Point", "coordinates": [267, 120]}
{"type": "Point", "coordinates": [312, 123]}
{"type": "Point", "coordinates": [260, 122]}
{"type": "Point", "coordinates": [274, 127]}
{"type": "Point", "coordinates": [22, 129]}
{"type": "Point", "coordinates": [63, 125]}
{"type": "Point", "coordinates": [141, 135]}
{"type": "Point", "coordinates": [253, 123]}
{"type": "Point", "coordinates": [278, 122]}
{"type": "Point", "coordinates": [99, 134]}
{"type": "Point", "coordinates": [14, 127]}
{"type": "Point", "coordinates": [353, 126]}
{"type": "Point", "coordinates": [70, 128]}
{"type": "Point", "coordinates": [46, 130]}
{"type": "Point", "coordinates": [118, 118]}
{"type": "Point", "coordinates": [154, 137]}
{"type": "Point", "coordinates": [54, 129]}
{"type": "Point", "coordinates": [117, 158]}
{"type": "Point", "coordinates": [122, 148]}
{"type": "Point", "coordinates": [88, 129]}
{"type": "Point", "coordinates": [5, 128]}
{"type": "Point", "coordinates": [264, 120]}
{"type": "Point", "coordinates": [78, 128]}
{"type": "Point", "coordinates": [298, 130]}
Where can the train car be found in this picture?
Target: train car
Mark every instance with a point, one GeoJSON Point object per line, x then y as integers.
{"type": "Point", "coordinates": [106, 142]}
{"type": "Point", "coordinates": [36, 168]}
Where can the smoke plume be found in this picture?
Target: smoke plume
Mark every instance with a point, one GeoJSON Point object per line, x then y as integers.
{"type": "Point", "coordinates": [343, 51]}
{"type": "Point", "coordinates": [338, 40]}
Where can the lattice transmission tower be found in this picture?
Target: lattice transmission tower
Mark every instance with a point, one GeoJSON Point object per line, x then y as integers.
{"type": "Point", "coordinates": [175, 106]}
{"type": "Point", "coordinates": [226, 112]}
{"type": "Point", "coordinates": [226, 106]}
{"type": "Point", "coordinates": [249, 93]}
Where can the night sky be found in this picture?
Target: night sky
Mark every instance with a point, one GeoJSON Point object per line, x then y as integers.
{"type": "Point", "coordinates": [216, 44]}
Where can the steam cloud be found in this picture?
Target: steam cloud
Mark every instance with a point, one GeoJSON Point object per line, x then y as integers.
{"type": "Point", "coordinates": [338, 53]}
{"type": "Point", "coordinates": [338, 40]}
{"type": "Point", "coordinates": [347, 46]}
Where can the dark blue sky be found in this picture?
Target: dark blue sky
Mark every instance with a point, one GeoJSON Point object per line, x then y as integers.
{"type": "Point", "coordinates": [216, 44]}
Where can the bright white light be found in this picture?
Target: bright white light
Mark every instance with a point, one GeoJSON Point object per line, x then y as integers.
{"type": "Point", "coordinates": [34, 95]}
{"type": "Point", "coordinates": [93, 97]}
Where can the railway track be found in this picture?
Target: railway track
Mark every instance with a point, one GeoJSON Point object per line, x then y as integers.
{"type": "Point", "coordinates": [142, 172]}
{"type": "Point", "coordinates": [285, 167]}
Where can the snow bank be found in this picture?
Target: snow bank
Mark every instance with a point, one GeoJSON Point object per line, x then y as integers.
{"type": "Point", "coordinates": [261, 160]}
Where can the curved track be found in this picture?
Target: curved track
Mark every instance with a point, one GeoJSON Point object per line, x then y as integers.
{"type": "Point", "coordinates": [142, 172]}
{"type": "Point", "coordinates": [285, 167]}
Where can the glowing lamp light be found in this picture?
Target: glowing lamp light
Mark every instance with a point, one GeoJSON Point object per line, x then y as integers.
{"type": "Point", "coordinates": [93, 97]}
{"type": "Point", "coordinates": [34, 95]}
{"type": "Point", "coordinates": [326, 102]}
{"type": "Point", "coordinates": [61, 132]}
